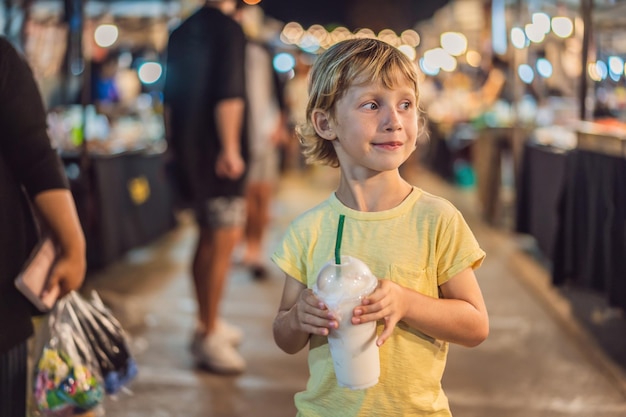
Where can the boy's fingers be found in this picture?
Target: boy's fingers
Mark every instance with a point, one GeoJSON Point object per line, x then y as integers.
{"type": "Point", "coordinates": [387, 330]}
{"type": "Point", "coordinates": [383, 337]}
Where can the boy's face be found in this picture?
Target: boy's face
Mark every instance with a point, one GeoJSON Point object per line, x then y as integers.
{"type": "Point", "coordinates": [375, 127]}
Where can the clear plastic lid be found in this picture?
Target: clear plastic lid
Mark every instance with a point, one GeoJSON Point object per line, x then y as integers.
{"type": "Point", "coordinates": [349, 280]}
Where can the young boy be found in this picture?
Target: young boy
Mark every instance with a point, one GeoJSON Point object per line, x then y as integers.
{"type": "Point", "coordinates": [362, 117]}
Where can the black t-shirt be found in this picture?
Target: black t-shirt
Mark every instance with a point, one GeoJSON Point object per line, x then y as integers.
{"type": "Point", "coordinates": [27, 162]}
{"type": "Point", "coordinates": [205, 64]}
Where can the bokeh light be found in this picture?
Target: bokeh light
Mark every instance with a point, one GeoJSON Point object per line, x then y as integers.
{"type": "Point", "coordinates": [149, 72]}
{"type": "Point", "coordinates": [562, 26]}
{"type": "Point", "coordinates": [544, 68]}
{"type": "Point", "coordinates": [526, 73]}
{"type": "Point", "coordinates": [106, 35]}
{"type": "Point", "coordinates": [518, 38]}
{"type": "Point", "coordinates": [284, 62]}
{"type": "Point", "coordinates": [454, 43]}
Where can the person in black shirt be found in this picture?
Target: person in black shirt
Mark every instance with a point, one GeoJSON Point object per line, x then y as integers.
{"type": "Point", "coordinates": [29, 167]}
{"type": "Point", "coordinates": [204, 99]}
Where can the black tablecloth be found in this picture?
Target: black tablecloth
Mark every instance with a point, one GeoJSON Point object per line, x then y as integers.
{"type": "Point", "coordinates": [123, 201]}
{"type": "Point", "coordinates": [541, 179]}
{"type": "Point", "coordinates": [590, 247]}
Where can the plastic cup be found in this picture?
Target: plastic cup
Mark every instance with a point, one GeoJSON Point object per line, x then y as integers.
{"type": "Point", "coordinates": [352, 347]}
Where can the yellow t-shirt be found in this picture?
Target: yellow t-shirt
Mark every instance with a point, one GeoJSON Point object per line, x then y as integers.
{"type": "Point", "coordinates": [419, 244]}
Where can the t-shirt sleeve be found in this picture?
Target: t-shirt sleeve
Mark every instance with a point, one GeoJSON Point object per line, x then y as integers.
{"type": "Point", "coordinates": [231, 70]}
{"type": "Point", "coordinates": [457, 249]}
{"type": "Point", "coordinates": [288, 255]}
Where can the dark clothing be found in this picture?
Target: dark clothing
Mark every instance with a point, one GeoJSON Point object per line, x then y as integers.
{"type": "Point", "coordinates": [27, 162]}
{"type": "Point", "coordinates": [13, 371]}
{"type": "Point", "coordinates": [205, 64]}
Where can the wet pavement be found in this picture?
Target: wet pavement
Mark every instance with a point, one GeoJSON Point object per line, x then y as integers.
{"type": "Point", "coordinates": [537, 362]}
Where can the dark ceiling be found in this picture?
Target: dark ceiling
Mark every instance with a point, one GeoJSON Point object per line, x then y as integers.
{"type": "Point", "coordinates": [398, 15]}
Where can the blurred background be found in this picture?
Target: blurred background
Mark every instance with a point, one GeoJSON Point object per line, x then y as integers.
{"type": "Point", "coordinates": [504, 85]}
{"type": "Point", "coordinates": [525, 108]}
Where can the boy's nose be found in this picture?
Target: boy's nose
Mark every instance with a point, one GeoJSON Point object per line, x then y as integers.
{"type": "Point", "coordinates": [392, 121]}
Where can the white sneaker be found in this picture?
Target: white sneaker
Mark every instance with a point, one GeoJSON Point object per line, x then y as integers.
{"type": "Point", "coordinates": [228, 332]}
{"type": "Point", "coordinates": [232, 333]}
{"type": "Point", "coordinates": [217, 354]}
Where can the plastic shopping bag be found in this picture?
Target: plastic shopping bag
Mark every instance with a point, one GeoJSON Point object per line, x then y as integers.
{"type": "Point", "coordinates": [108, 341]}
{"type": "Point", "coordinates": [67, 378]}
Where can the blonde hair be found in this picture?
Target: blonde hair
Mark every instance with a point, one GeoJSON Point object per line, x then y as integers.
{"type": "Point", "coordinates": [335, 71]}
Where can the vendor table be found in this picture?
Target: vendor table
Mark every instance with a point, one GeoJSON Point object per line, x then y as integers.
{"type": "Point", "coordinates": [541, 179]}
{"type": "Point", "coordinates": [123, 200]}
{"type": "Point", "coordinates": [590, 246]}
{"type": "Point", "coordinates": [574, 203]}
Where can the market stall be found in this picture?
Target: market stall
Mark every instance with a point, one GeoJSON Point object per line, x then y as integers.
{"type": "Point", "coordinates": [591, 232]}
{"type": "Point", "coordinates": [124, 201]}
{"type": "Point", "coordinates": [118, 178]}
{"type": "Point", "coordinates": [571, 199]}
{"type": "Point", "coordinates": [100, 78]}
{"type": "Point", "coordinates": [540, 184]}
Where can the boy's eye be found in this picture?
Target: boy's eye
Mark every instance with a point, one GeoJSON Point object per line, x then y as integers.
{"type": "Point", "coordinates": [406, 105]}
{"type": "Point", "coordinates": [371, 106]}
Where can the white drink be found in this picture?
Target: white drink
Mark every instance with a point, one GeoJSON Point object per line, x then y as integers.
{"type": "Point", "coordinates": [352, 347]}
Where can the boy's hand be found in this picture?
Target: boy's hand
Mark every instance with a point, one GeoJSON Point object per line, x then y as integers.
{"type": "Point", "coordinates": [386, 303]}
{"type": "Point", "coordinates": [313, 316]}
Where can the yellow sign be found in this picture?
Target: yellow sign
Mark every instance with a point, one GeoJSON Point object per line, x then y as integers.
{"type": "Point", "coordinates": [139, 190]}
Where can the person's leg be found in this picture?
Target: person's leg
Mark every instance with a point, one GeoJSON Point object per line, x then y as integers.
{"type": "Point", "coordinates": [201, 269]}
{"type": "Point", "coordinates": [259, 196]}
{"type": "Point", "coordinates": [221, 223]}
{"type": "Point", "coordinates": [210, 270]}
{"type": "Point", "coordinates": [263, 177]}
{"type": "Point", "coordinates": [13, 369]}
{"type": "Point", "coordinates": [251, 223]}
{"type": "Point", "coordinates": [291, 150]}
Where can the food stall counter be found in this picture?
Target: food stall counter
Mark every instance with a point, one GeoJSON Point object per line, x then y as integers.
{"type": "Point", "coordinates": [124, 200]}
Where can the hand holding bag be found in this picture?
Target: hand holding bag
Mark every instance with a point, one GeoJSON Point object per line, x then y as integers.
{"type": "Point", "coordinates": [33, 277]}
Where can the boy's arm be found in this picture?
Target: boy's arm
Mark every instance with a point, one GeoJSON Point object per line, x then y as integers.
{"type": "Point", "coordinates": [300, 314]}
{"type": "Point", "coordinates": [459, 317]}
{"type": "Point", "coordinates": [465, 320]}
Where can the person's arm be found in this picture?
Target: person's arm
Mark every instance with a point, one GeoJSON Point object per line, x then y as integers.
{"type": "Point", "coordinates": [36, 166]}
{"type": "Point", "coordinates": [300, 314]}
{"type": "Point", "coordinates": [280, 134]}
{"type": "Point", "coordinates": [57, 210]}
{"type": "Point", "coordinates": [229, 115]}
{"type": "Point", "coordinates": [459, 317]}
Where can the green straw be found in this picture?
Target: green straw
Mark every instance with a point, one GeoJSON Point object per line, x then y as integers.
{"type": "Point", "coordinates": [338, 241]}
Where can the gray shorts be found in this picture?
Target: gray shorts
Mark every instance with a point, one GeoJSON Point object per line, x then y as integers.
{"type": "Point", "coordinates": [222, 212]}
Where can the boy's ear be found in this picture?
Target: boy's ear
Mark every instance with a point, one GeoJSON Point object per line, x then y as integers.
{"type": "Point", "coordinates": [323, 125]}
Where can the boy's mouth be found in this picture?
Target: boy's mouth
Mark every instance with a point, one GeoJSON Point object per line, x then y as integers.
{"type": "Point", "coordinates": [388, 145]}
